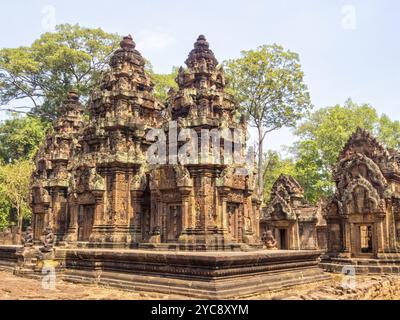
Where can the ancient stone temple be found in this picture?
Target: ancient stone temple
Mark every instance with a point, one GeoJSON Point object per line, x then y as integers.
{"type": "Point", "coordinates": [50, 181]}
{"type": "Point", "coordinates": [363, 217]}
{"type": "Point", "coordinates": [106, 192]}
{"type": "Point", "coordinates": [130, 193]}
{"type": "Point", "coordinates": [108, 179]}
{"type": "Point", "coordinates": [295, 224]}
{"type": "Point", "coordinates": [205, 202]}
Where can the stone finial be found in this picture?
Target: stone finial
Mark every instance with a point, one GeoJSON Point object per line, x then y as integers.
{"type": "Point", "coordinates": [201, 52]}
{"type": "Point", "coordinates": [127, 43]}
{"type": "Point", "coordinates": [202, 43]}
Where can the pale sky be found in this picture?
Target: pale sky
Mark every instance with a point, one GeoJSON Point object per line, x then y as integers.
{"type": "Point", "coordinates": [348, 48]}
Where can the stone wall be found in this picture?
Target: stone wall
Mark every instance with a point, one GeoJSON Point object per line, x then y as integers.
{"type": "Point", "coordinates": [8, 257]}
{"type": "Point", "coordinates": [10, 236]}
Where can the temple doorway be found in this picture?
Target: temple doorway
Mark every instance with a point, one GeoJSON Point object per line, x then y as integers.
{"type": "Point", "coordinates": [283, 240]}
{"type": "Point", "coordinates": [85, 222]}
{"type": "Point", "coordinates": [366, 239]}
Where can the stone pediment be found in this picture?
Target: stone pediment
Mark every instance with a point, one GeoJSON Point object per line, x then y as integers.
{"type": "Point", "coordinates": [363, 142]}
{"type": "Point", "coordinates": [361, 197]}
{"type": "Point", "coordinates": [359, 165]}
{"type": "Point", "coordinates": [280, 209]}
{"type": "Point", "coordinates": [287, 185]}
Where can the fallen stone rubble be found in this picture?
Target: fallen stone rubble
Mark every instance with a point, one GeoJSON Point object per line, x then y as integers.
{"type": "Point", "coordinates": [363, 288]}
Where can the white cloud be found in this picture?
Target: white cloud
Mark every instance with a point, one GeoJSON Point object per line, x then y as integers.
{"type": "Point", "coordinates": [154, 39]}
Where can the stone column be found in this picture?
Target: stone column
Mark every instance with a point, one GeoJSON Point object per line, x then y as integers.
{"type": "Point", "coordinates": [137, 214]}
{"type": "Point", "coordinates": [380, 235]}
{"type": "Point", "coordinates": [296, 229]}
{"type": "Point", "coordinates": [72, 233]}
{"type": "Point", "coordinates": [99, 208]}
{"type": "Point", "coordinates": [224, 211]}
{"type": "Point", "coordinates": [347, 237]}
{"type": "Point", "coordinates": [186, 214]}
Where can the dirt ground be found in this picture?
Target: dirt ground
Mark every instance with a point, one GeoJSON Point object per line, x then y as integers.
{"type": "Point", "coordinates": [16, 288]}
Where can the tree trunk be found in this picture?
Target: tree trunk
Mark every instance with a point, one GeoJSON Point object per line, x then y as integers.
{"type": "Point", "coordinates": [260, 162]}
{"type": "Point", "coordinates": [20, 220]}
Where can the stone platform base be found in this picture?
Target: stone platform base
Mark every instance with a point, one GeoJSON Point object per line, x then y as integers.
{"type": "Point", "coordinates": [8, 257]}
{"type": "Point", "coordinates": [199, 275]}
{"type": "Point", "coordinates": [384, 264]}
{"type": "Point", "coordinates": [205, 275]}
{"type": "Point", "coordinates": [191, 247]}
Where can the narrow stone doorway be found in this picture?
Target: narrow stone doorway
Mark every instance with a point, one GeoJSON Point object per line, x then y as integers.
{"type": "Point", "coordinates": [85, 222]}
{"type": "Point", "coordinates": [366, 239]}
{"type": "Point", "coordinates": [283, 241]}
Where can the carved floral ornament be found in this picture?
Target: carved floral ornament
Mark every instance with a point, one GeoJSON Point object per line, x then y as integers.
{"type": "Point", "coordinates": [183, 178]}
{"type": "Point", "coordinates": [279, 203]}
{"type": "Point", "coordinates": [359, 165]}
{"type": "Point", "coordinates": [139, 181]}
{"type": "Point", "coordinates": [359, 196]}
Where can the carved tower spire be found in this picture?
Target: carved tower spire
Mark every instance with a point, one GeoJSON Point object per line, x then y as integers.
{"type": "Point", "coordinates": [113, 149]}
{"type": "Point", "coordinates": [50, 179]}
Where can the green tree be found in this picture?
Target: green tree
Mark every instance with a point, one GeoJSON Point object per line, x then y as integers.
{"type": "Point", "coordinates": [274, 166]}
{"type": "Point", "coordinates": [163, 83]}
{"type": "Point", "coordinates": [311, 173]}
{"type": "Point", "coordinates": [21, 137]}
{"type": "Point", "coordinates": [389, 132]}
{"type": "Point", "coordinates": [39, 76]}
{"type": "Point", "coordinates": [331, 127]}
{"type": "Point", "coordinates": [5, 209]}
{"type": "Point", "coordinates": [269, 84]}
{"type": "Point", "coordinates": [15, 187]}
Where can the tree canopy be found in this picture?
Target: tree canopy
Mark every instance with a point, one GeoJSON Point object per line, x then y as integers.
{"type": "Point", "coordinates": [20, 137]}
{"type": "Point", "coordinates": [15, 189]}
{"type": "Point", "coordinates": [269, 84]}
{"type": "Point", "coordinates": [163, 83]}
{"type": "Point", "coordinates": [37, 78]}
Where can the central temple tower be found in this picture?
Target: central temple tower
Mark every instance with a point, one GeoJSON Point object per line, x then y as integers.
{"type": "Point", "coordinates": [208, 201]}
